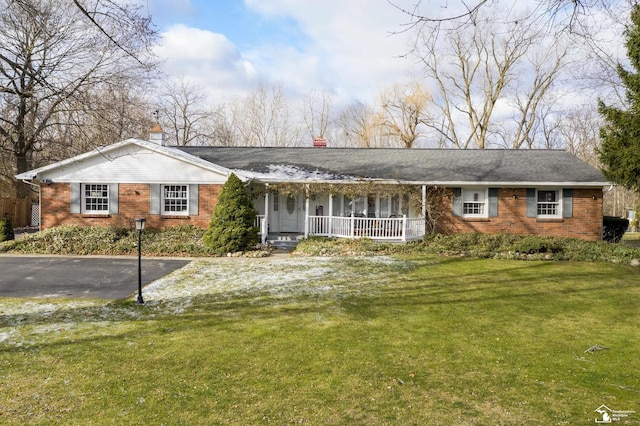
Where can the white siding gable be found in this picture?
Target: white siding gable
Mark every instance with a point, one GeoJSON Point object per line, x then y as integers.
{"type": "Point", "coordinates": [132, 163]}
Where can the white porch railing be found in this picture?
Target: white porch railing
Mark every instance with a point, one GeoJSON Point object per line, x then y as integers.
{"type": "Point", "coordinates": [393, 228]}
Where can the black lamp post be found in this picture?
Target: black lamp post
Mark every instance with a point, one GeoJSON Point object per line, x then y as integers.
{"type": "Point", "coordinates": [139, 227]}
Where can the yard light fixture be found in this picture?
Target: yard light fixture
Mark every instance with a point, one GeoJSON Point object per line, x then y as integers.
{"type": "Point", "coordinates": [140, 222]}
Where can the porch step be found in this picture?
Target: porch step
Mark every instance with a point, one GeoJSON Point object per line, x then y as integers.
{"type": "Point", "coordinates": [284, 242]}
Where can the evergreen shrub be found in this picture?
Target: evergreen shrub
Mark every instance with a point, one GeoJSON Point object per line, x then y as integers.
{"type": "Point", "coordinates": [6, 229]}
{"type": "Point", "coordinates": [232, 227]}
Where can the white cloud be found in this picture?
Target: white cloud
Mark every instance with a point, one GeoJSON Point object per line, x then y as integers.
{"type": "Point", "coordinates": [346, 48]}
{"type": "Point", "coordinates": [205, 58]}
{"type": "Point", "coordinates": [351, 49]}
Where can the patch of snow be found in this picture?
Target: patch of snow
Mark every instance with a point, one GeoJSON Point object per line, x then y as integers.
{"type": "Point", "coordinates": [283, 172]}
{"type": "Point", "coordinates": [44, 309]}
{"type": "Point", "coordinates": [26, 322]}
{"type": "Point", "coordinates": [5, 335]}
{"type": "Point", "coordinates": [234, 277]}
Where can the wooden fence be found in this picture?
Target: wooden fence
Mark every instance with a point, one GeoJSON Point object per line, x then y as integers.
{"type": "Point", "coordinates": [18, 209]}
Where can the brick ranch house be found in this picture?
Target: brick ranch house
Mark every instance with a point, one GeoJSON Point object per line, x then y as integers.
{"type": "Point", "coordinates": [378, 193]}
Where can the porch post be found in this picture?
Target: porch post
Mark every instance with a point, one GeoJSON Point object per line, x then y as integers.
{"type": "Point", "coordinates": [265, 230]}
{"type": "Point", "coordinates": [306, 211]}
{"type": "Point", "coordinates": [353, 228]}
{"type": "Point", "coordinates": [330, 224]}
{"type": "Point", "coordinates": [424, 201]}
{"type": "Point", "coordinates": [404, 228]}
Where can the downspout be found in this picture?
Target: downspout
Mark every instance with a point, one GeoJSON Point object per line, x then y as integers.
{"type": "Point", "coordinates": [265, 229]}
{"type": "Point", "coordinates": [306, 212]}
{"type": "Point", "coordinates": [330, 224]}
{"type": "Point", "coordinates": [424, 210]}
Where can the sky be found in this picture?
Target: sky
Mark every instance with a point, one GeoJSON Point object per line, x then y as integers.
{"type": "Point", "coordinates": [349, 49]}
{"type": "Point", "coordinates": [344, 47]}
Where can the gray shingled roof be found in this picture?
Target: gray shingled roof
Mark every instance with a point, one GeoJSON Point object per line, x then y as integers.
{"type": "Point", "coordinates": [428, 166]}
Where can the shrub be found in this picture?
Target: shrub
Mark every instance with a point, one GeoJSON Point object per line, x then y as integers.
{"type": "Point", "coordinates": [534, 244]}
{"type": "Point", "coordinates": [232, 226]}
{"type": "Point", "coordinates": [613, 228]}
{"type": "Point", "coordinates": [6, 229]}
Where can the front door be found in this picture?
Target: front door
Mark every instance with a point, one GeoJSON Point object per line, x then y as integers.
{"type": "Point", "coordinates": [289, 214]}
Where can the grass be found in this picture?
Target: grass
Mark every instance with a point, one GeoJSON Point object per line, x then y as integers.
{"type": "Point", "coordinates": [385, 341]}
{"type": "Point", "coordinates": [631, 239]}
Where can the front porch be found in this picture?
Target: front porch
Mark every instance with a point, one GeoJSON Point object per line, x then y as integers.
{"type": "Point", "coordinates": [383, 213]}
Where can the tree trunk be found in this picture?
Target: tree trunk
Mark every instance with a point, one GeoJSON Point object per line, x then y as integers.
{"type": "Point", "coordinates": [22, 189]}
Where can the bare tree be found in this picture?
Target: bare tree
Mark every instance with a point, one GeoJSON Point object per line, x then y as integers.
{"type": "Point", "coordinates": [183, 107]}
{"type": "Point", "coordinates": [50, 55]}
{"type": "Point", "coordinates": [317, 113]}
{"type": "Point", "coordinates": [97, 117]}
{"type": "Point", "coordinates": [263, 119]}
{"type": "Point", "coordinates": [112, 18]}
{"type": "Point", "coordinates": [357, 125]}
{"type": "Point", "coordinates": [404, 108]}
{"type": "Point", "coordinates": [579, 128]}
{"type": "Point", "coordinates": [564, 15]}
{"type": "Point", "coordinates": [531, 96]}
{"type": "Point", "coordinates": [222, 132]}
{"type": "Point", "coordinates": [485, 74]}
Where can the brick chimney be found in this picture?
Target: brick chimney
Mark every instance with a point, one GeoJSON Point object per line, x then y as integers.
{"type": "Point", "coordinates": [319, 142]}
{"type": "Point", "coordinates": [157, 135]}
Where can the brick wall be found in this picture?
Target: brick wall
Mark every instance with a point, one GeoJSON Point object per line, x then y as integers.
{"type": "Point", "coordinates": [133, 202]}
{"type": "Point", "coordinates": [586, 222]}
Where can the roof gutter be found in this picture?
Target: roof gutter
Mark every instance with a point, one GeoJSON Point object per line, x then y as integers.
{"type": "Point", "coordinates": [436, 183]}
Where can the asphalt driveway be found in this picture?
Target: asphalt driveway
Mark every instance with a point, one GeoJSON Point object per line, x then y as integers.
{"type": "Point", "coordinates": [83, 277]}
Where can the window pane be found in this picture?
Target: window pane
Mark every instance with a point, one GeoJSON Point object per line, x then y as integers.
{"type": "Point", "coordinates": [473, 196]}
{"type": "Point", "coordinates": [175, 199]}
{"type": "Point", "coordinates": [359, 206]}
{"type": "Point", "coordinates": [348, 206]}
{"type": "Point", "coordinates": [548, 204]}
{"type": "Point", "coordinates": [384, 207]}
{"type": "Point", "coordinates": [337, 205]}
{"type": "Point", "coordinates": [547, 196]}
{"type": "Point", "coordinates": [473, 208]}
{"type": "Point", "coordinates": [474, 202]}
{"type": "Point", "coordinates": [96, 198]}
{"type": "Point", "coordinates": [395, 206]}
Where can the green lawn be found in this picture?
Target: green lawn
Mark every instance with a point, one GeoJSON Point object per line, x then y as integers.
{"type": "Point", "coordinates": [376, 341]}
{"type": "Point", "coordinates": [631, 239]}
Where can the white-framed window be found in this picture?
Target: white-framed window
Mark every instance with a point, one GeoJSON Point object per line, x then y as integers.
{"type": "Point", "coordinates": [95, 198]}
{"type": "Point", "coordinates": [384, 207]}
{"type": "Point", "coordinates": [474, 202]}
{"type": "Point", "coordinates": [548, 203]}
{"type": "Point", "coordinates": [372, 206]}
{"type": "Point", "coordinates": [395, 206]}
{"type": "Point", "coordinates": [175, 200]}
